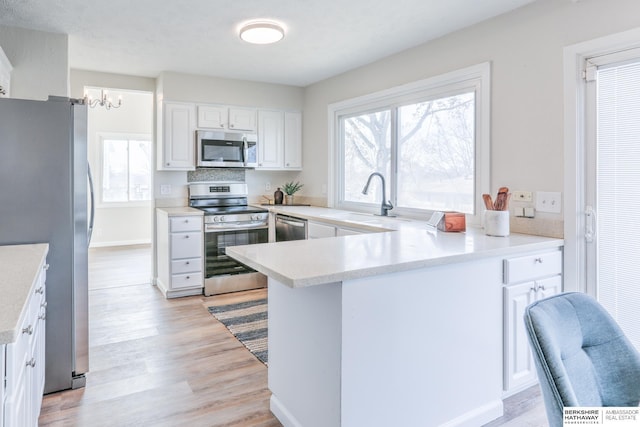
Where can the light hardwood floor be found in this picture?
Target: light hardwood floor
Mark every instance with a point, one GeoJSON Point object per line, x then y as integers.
{"type": "Point", "coordinates": [158, 362]}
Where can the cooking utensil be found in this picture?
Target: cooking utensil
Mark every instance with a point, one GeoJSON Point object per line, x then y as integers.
{"type": "Point", "coordinates": [488, 203]}
{"type": "Point", "coordinates": [501, 200]}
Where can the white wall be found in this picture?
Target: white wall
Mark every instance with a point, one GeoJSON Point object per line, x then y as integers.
{"type": "Point", "coordinates": [525, 51]}
{"type": "Point", "coordinates": [121, 225]}
{"type": "Point", "coordinates": [40, 62]}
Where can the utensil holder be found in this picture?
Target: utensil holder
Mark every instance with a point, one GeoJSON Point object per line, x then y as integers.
{"type": "Point", "coordinates": [496, 223]}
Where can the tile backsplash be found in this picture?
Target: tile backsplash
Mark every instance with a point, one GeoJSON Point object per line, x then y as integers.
{"type": "Point", "coordinates": [213, 174]}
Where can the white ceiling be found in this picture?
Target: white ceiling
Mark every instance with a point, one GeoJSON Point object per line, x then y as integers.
{"type": "Point", "coordinates": [323, 37]}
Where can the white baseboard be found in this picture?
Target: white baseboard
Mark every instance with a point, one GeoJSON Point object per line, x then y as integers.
{"type": "Point", "coordinates": [478, 416]}
{"type": "Point", "coordinates": [120, 243]}
{"type": "Point", "coordinates": [282, 414]}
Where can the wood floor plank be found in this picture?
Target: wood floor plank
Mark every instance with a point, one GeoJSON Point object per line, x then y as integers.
{"type": "Point", "coordinates": [158, 362]}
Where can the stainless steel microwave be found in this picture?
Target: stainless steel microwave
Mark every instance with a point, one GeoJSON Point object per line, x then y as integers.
{"type": "Point", "coordinates": [220, 149]}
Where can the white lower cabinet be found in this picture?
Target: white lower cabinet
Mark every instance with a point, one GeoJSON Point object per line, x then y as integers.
{"type": "Point", "coordinates": [527, 279]}
{"type": "Point", "coordinates": [24, 362]}
{"type": "Point", "coordinates": [318, 231]}
{"type": "Point", "coordinates": [180, 255]}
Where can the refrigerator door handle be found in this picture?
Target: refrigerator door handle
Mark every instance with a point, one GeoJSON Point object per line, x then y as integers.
{"type": "Point", "coordinates": [93, 207]}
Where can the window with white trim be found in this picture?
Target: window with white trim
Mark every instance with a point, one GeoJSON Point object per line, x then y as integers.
{"type": "Point", "coordinates": [126, 169]}
{"type": "Point", "coordinates": [429, 139]}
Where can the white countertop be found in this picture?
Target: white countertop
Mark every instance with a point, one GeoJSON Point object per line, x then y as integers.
{"type": "Point", "coordinates": [19, 269]}
{"type": "Point", "coordinates": [410, 246]}
{"type": "Point", "coordinates": [181, 211]}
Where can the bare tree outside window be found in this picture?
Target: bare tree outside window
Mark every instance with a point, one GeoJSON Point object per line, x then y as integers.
{"type": "Point", "coordinates": [367, 149]}
{"type": "Point", "coordinates": [435, 146]}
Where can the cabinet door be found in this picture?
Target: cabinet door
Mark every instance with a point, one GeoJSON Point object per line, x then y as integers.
{"type": "Point", "coordinates": [347, 232]}
{"type": "Point", "coordinates": [270, 139]}
{"type": "Point", "coordinates": [186, 245]}
{"type": "Point", "coordinates": [242, 118]}
{"type": "Point", "coordinates": [292, 140]}
{"type": "Point", "coordinates": [212, 116]}
{"type": "Point", "coordinates": [519, 369]}
{"type": "Point", "coordinates": [548, 287]}
{"type": "Point", "coordinates": [318, 231]}
{"type": "Point", "coordinates": [178, 137]}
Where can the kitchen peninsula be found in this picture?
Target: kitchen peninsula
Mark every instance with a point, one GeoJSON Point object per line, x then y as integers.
{"type": "Point", "coordinates": [402, 327]}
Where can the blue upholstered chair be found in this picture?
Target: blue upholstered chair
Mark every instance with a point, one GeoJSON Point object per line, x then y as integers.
{"type": "Point", "coordinates": [582, 356]}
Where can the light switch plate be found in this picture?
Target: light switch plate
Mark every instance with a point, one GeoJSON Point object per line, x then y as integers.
{"type": "Point", "coordinates": [548, 202]}
{"type": "Point", "coordinates": [165, 189]}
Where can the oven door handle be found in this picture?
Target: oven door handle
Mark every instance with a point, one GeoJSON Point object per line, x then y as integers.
{"type": "Point", "coordinates": [211, 228]}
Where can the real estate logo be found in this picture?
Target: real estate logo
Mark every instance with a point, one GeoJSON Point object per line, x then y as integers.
{"type": "Point", "coordinates": [609, 416]}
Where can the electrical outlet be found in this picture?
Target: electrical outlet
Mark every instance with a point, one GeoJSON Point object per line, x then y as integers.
{"type": "Point", "coordinates": [522, 196]}
{"type": "Point", "coordinates": [165, 189]}
{"type": "Point", "coordinates": [267, 186]}
{"type": "Point", "coordinates": [548, 202]}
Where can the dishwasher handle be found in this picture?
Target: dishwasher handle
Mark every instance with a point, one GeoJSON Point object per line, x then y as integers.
{"type": "Point", "coordinates": [290, 222]}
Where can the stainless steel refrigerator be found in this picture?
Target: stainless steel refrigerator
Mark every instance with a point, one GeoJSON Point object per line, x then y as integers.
{"type": "Point", "coordinates": [44, 198]}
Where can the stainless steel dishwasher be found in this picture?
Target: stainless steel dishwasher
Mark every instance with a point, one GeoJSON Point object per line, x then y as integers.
{"type": "Point", "coordinates": [290, 228]}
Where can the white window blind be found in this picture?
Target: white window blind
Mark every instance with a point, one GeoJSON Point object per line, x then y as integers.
{"type": "Point", "coordinates": [618, 194]}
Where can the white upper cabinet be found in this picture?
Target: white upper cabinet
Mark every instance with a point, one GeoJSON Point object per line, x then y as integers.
{"type": "Point", "coordinates": [5, 75]}
{"type": "Point", "coordinates": [270, 139]}
{"type": "Point", "coordinates": [176, 136]}
{"type": "Point", "coordinates": [242, 118]}
{"type": "Point", "coordinates": [292, 140]}
{"type": "Point", "coordinates": [227, 118]}
{"type": "Point", "coordinates": [212, 117]}
{"type": "Point", "coordinates": [279, 140]}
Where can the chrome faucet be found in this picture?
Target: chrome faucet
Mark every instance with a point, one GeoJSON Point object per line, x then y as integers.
{"type": "Point", "coordinates": [386, 205]}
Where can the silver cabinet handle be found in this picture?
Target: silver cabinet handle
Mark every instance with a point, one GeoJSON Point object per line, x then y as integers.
{"type": "Point", "coordinates": [44, 304]}
{"type": "Point", "coordinates": [28, 330]}
{"type": "Point", "coordinates": [40, 290]}
{"type": "Point", "coordinates": [188, 277]}
{"type": "Point", "coordinates": [43, 316]}
{"type": "Point", "coordinates": [538, 260]}
{"type": "Point", "coordinates": [186, 262]}
{"type": "Point", "coordinates": [46, 266]}
{"type": "Point", "coordinates": [31, 362]}
{"type": "Point", "coordinates": [186, 237]}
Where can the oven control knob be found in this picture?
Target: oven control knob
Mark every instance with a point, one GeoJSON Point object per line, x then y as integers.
{"type": "Point", "coordinates": [216, 219]}
{"type": "Point", "coordinates": [221, 219]}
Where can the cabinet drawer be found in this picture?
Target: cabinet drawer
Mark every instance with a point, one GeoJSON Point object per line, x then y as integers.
{"type": "Point", "coordinates": [532, 267]}
{"type": "Point", "coordinates": [188, 280]}
{"type": "Point", "coordinates": [185, 223]}
{"type": "Point", "coordinates": [318, 231]}
{"type": "Point", "coordinates": [186, 266]}
{"type": "Point", "coordinates": [186, 245]}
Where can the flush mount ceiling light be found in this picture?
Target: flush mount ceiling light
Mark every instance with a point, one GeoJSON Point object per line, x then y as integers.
{"type": "Point", "coordinates": [262, 32]}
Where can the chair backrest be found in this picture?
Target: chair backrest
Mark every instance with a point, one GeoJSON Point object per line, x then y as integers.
{"type": "Point", "coordinates": [582, 356]}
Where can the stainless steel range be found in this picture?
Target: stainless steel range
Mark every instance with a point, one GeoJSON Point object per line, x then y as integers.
{"type": "Point", "coordinates": [228, 221]}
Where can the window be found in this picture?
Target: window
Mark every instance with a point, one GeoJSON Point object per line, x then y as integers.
{"type": "Point", "coordinates": [429, 140]}
{"type": "Point", "coordinates": [126, 169]}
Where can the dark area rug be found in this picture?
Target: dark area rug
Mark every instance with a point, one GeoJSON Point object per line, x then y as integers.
{"type": "Point", "coordinates": [247, 321]}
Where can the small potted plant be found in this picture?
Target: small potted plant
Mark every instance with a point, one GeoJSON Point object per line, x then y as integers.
{"type": "Point", "coordinates": [290, 188]}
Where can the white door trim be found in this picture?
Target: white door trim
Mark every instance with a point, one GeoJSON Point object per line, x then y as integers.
{"type": "Point", "coordinates": [574, 137]}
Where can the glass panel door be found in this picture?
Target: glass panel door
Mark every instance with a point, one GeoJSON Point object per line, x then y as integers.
{"type": "Point", "coordinates": [613, 192]}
